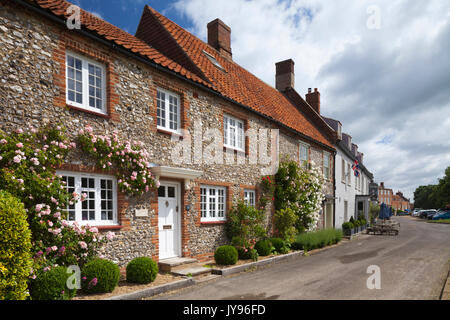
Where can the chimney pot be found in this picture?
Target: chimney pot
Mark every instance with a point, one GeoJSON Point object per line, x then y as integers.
{"type": "Point", "coordinates": [284, 76]}
{"type": "Point", "coordinates": [219, 37]}
{"type": "Point", "coordinates": [309, 90]}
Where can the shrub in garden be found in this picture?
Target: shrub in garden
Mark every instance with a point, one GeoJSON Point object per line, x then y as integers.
{"type": "Point", "coordinates": [142, 270]}
{"type": "Point", "coordinates": [15, 244]}
{"type": "Point", "coordinates": [280, 245]}
{"type": "Point", "coordinates": [264, 247]}
{"type": "Point", "coordinates": [245, 221]}
{"type": "Point", "coordinates": [51, 285]}
{"type": "Point", "coordinates": [226, 255]}
{"type": "Point", "coordinates": [284, 222]}
{"type": "Point", "coordinates": [246, 250]}
{"type": "Point", "coordinates": [99, 276]}
{"type": "Point", "coordinates": [317, 239]}
{"type": "Point", "coordinates": [299, 189]}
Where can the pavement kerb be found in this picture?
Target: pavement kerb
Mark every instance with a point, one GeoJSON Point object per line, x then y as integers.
{"type": "Point", "coordinates": [256, 264]}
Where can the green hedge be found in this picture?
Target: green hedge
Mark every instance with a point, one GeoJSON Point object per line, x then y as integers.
{"type": "Point", "coordinates": [264, 247]}
{"type": "Point", "coordinates": [52, 285]}
{"type": "Point", "coordinates": [317, 239]}
{"type": "Point", "coordinates": [226, 255]}
{"type": "Point", "coordinates": [142, 270]}
{"type": "Point", "coordinates": [100, 276]}
{"type": "Point", "coordinates": [15, 252]}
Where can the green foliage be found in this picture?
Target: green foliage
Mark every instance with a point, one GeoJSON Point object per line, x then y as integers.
{"type": "Point", "coordinates": [142, 270]}
{"type": "Point", "coordinates": [374, 211]}
{"type": "Point", "coordinates": [226, 255]}
{"type": "Point", "coordinates": [129, 159]}
{"type": "Point", "coordinates": [434, 196]}
{"type": "Point", "coordinates": [299, 189]}
{"type": "Point", "coordinates": [281, 246]}
{"type": "Point", "coordinates": [15, 244]}
{"type": "Point", "coordinates": [51, 285]}
{"type": "Point", "coordinates": [318, 239]}
{"type": "Point", "coordinates": [267, 189]}
{"type": "Point", "coordinates": [99, 276]}
{"type": "Point", "coordinates": [284, 222]}
{"type": "Point", "coordinates": [264, 247]}
{"type": "Point", "coordinates": [245, 222]}
{"type": "Point", "coordinates": [347, 225]}
{"type": "Point", "coordinates": [356, 223]}
{"type": "Point", "coordinates": [28, 161]}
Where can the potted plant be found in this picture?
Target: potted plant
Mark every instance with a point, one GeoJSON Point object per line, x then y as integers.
{"type": "Point", "coordinates": [363, 224]}
{"type": "Point", "coordinates": [347, 228]}
{"type": "Point", "coordinates": [357, 226]}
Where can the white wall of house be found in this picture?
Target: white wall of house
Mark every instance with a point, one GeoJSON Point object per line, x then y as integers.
{"type": "Point", "coordinates": [347, 187]}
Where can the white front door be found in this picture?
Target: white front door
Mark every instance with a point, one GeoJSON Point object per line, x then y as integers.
{"type": "Point", "coordinates": [169, 220]}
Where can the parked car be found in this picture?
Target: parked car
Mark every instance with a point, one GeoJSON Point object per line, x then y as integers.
{"type": "Point", "coordinates": [424, 213]}
{"type": "Point", "coordinates": [442, 215]}
{"type": "Point", "coordinates": [415, 213]}
{"type": "Point", "coordinates": [431, 214]}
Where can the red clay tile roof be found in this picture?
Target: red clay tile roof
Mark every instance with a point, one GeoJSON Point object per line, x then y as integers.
{"type": "Point", "coordinates": [235, 83]}
{"type": "Point", "coordinates": [120, 37]}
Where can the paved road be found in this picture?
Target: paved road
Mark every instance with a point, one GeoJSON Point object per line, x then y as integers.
{"type": "Point", "coordinates": [413, 265]}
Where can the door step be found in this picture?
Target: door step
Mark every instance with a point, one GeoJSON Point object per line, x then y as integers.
{"type": "Point", "coordinates": [191, 271]}
{"type": "Point", "coordinates": [167, 265]}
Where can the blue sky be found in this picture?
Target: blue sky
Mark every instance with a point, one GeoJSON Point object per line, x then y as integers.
{"type": "Point", "coordinates": [126, 13]}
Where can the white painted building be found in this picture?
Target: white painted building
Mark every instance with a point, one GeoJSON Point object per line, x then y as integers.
{"type": "Point", "coordinates": [351, 191]}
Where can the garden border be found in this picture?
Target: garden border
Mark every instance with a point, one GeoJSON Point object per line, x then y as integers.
{"type": "Point", "coordinates": [256, 264]}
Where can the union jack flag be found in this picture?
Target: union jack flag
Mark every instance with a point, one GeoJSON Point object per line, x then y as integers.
{"type": "Point", "coordinates": [355, 168]}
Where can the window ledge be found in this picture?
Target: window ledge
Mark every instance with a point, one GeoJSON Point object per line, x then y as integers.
{"type": "Point", "coordinates": [103, 115]}
{"type": "Point", "coordinates": [213, 222]}
{"type": "Point", "coordinates": [111, 227]}
{"type": "Point", "coordinates": [232, 149]}
{"type": "Point", "coordinates": [170, 133]}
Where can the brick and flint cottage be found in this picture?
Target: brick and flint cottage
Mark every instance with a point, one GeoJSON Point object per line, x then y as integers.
{"type": "Point", "coordinates": [163, 87]}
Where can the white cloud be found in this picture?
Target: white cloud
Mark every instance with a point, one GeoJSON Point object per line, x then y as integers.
{"type": "Point", "coordinates": [391, 81]}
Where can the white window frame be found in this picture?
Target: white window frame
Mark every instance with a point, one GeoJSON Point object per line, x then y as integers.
{"type": "Point", "coordinates": [343, 171]}
{"type": "Point", "coordinates": [250, 197]}
{"type": "Point", "coordinates": [326, 155]}
{"type": "Point", "coordinates": [98, 210]}
{"type": "Point", "coordinates": [349, 176]}
{"type": "Point", "coordinates": [227, 133]}
{"type": "Point", "coordinates": [305, 147]}
{"type": "Point", "coordinates": [205, 207]}
{"type": "Point", "coordinates": [166, 126]}
{"type": "Point", "coordinates": [85, 83]}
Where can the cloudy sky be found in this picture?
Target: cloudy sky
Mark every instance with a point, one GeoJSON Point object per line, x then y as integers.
{"type": "Point", "coordinates": [382, 67]}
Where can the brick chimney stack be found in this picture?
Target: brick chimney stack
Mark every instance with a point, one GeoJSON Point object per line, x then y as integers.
{"type": "Point", "coordinates": [313, 99]}
{"type": "Point", "coordinates": [284, 76]}
{"type": "Point", "coordinates": [219, 37]}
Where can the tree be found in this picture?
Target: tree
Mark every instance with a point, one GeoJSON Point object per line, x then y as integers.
{"type": "Point", "coordinates": [434, 196]}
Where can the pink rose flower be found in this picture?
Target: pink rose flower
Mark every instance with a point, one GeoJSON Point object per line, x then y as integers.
{"type": "Point", "coordinates": [19, 145]}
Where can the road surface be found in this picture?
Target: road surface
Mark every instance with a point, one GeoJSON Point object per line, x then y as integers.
{"type": "Point", "coordinates": [413, 265]}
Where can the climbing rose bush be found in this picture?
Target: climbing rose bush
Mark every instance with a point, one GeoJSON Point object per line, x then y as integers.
{"type": "Point", "coordinates": [129, 159]}
{"type": "Point", "coordinates": [301, 190]}
{"type": "Point", "coordinates": [28, 162]}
